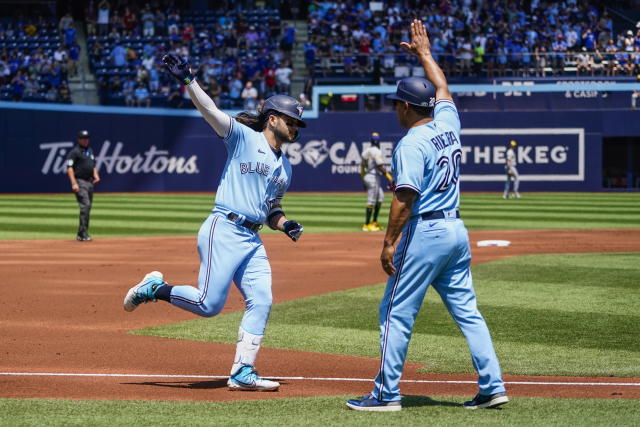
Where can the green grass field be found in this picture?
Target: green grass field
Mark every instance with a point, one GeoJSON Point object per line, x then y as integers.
{"type": "Point", "coordinates": [316, 411]}
{"type": "Point", "coordinates": [113, 215]}
{"type": "Point", "coordinates": [574, 314]}
{"type": "Point", "coordinates": [548, 314]}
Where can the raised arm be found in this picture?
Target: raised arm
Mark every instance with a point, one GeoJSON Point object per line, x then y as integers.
{"type": "Point", "coordinates": [217, 119]}
{"type": "Point", "coordinates": [421, 47]}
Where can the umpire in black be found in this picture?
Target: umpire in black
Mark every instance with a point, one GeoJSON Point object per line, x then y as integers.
{"type": "Point", "coordinates": [82, 172]}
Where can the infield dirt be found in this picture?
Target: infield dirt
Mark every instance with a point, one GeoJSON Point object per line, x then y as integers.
{"type": "Point", "coordinates": [62, 313]}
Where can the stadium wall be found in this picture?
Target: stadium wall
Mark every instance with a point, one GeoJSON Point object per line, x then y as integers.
{"type": "Point", "coordinates": [558, 151]}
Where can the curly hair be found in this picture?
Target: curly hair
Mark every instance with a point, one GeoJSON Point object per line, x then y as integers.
{"type": "Point", "coordinates": [256, 122]}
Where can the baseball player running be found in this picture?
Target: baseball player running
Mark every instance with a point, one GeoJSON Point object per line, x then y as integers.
{"type": "Point", "coordinates": [255, 178]}
{"type": "Point", "coordinates": [434, 247]}
{"type": "Point", "coordinates": [370, 170]}
{"type": "Point", "coordinates": [510, 169]}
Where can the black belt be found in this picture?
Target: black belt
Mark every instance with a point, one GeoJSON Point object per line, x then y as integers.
{"type": "Point", "coordinates": [253, 226]}
{"type": "Point", "coordinates": [436, 215]}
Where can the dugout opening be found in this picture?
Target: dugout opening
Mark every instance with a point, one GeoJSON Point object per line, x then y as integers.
{"type": "Point", "coordinates": [621, 163]}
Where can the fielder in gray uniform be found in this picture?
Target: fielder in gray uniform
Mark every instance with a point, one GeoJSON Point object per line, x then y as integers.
{"type": "Point", "coordinates": [371, 170]}
{"type": "Point", "coordinates": [512, 182]}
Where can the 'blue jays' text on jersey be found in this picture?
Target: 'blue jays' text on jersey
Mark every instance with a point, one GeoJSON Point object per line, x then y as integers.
{"type": "Point", "coordinates": [255, 178]}
{"type": "Point", "coordinates": [427, 160]}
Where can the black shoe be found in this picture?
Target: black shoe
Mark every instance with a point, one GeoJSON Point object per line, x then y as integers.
{"type": "Point", "coordinates": [370, 403]}
{"type": "Point", "coordinates": [87, 238]}
{"type": "Point", "coordinates": [80, 238]}
{"type": "Point", "coordinates": [483, 401]}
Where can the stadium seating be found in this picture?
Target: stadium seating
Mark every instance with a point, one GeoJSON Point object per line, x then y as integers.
{"type": "Point", "coordinates": [352, 43]}
{"type": "Point", "coordinates": [202, 36]}
{"type": "Point", "coordinates": [29, 59]}
{"type": "Point", "coordinates": [348, 43]}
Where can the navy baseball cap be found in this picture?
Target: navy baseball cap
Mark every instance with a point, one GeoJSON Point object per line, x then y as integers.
{"type": "Point", "coordinates": [83, 134]}
{"type": "Point", "coordinates": [375, 137]}
{"type": "Point", "coordinates": [286, 105]}
{"type": "Point", "coordinates": [416, 91]}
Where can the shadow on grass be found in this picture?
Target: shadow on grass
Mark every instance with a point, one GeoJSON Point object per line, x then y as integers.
{"type": "Point", "coordinates": [410, 401]}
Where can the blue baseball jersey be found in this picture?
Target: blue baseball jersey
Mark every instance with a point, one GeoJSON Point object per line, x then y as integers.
{"type": "Point", "coordinates": [432, 252]}
{"type": "Point", "coordinates": [427, 160]}
{"type": "Point", "coordinates": [255, 178]}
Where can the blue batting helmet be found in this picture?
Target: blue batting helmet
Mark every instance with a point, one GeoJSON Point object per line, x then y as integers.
{"type": "Point", "coordinates": [286, 105]}
{"type": "Point", "coordinates": [416, 91]}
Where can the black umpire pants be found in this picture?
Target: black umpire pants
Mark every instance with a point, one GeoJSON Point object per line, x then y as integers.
{"type": "Point", "coordinates": [84, 196]}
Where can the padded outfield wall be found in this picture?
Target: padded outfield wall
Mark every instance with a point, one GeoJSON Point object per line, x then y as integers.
{"type": "Point", "coordinates": [558, 151]}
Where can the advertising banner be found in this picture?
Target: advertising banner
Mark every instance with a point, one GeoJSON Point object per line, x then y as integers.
{"type": "Point", "coordinates": [172, 153]}
{"type": "Point", "coordinates": [521, 96]}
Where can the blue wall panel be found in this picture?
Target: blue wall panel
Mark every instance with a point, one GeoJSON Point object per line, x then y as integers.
{"type": "Point", "coordinates": [558, 150]}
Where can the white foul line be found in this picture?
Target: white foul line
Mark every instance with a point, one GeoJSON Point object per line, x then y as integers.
{"type": "Point", "coordinates": [219, 377]}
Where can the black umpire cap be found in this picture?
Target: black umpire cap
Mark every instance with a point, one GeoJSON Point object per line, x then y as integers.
{"type": "Point", "coordinates": [83, 134]}
{"type": "Point", "coordinates": [286, 105]}
{"type": "Point", "coordinates": [416, 91]}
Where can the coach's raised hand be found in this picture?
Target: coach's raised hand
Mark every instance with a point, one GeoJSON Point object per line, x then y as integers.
{"type": "Point", "coordinates": [178, 68]}
{"type": "Point", "coordinates": [419, 45]}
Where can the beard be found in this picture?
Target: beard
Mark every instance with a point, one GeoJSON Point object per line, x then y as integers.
{"type": "Point", "coordinates": [285, 136]}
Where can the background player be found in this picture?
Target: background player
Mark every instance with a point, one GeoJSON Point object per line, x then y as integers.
{"type": "Point", "coordinates": [512, 182]}
{"type": "Point", "coordinates": [255, 178]}
{"type": "Point", "coordinates": [82, 172]}
{"type": "Point", "coordinates": [434, 248]}
{"type": "Point", "coordinates": [370, 170]}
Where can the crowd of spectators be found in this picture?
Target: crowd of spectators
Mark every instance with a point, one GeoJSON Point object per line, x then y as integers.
{"type": "Point", "coordinates": [37, 55]}
{"type": "Point", "coordinates": [243, 54]}
{"type": "Point", "coordinates": [483, 38]}
{"type": "Point", "coordinates": [239, 56]}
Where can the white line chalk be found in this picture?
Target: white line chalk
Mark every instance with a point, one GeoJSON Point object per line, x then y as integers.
{"type": "Point", "coordinates": [219, 377]}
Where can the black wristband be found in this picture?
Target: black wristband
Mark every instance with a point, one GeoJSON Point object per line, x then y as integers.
{"type": "Point", "coordinates": [271, 215]}
{"type": "Point", "coordinates": [190, 78]}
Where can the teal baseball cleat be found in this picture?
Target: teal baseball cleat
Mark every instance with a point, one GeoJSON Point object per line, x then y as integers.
{"type": "Point", "coordinates": [246, 378]}
{"type": "Point", "coordinates": [144, 291]}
